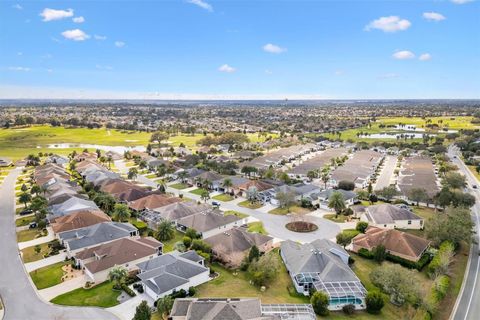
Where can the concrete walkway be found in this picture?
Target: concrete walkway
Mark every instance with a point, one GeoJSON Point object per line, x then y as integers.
{"type": "Point", "coordinates": [34, 242]}
{"type": "Point", "coordinates": [45, 262]}
{"type": "Point", "coordinates": [48, 294]}
{"type": "Point", "coordinates": [19, 297]}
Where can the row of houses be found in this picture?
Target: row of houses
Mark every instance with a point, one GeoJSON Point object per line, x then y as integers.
{"type": "Point", "coordinates": [360, 168]}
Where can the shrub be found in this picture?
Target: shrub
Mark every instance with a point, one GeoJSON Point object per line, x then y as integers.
{"type": "Point", "coordinates": [361, 226]}
{"type": "Point", "coordinates": [365, 253]}
{"type": "Point", "coordinates": [192, 234]}
{"type": "Point", "coordinates": [441, 286]}
{"type": "Point", "coordinates": [319, 301]}
{"type": "Point", "coordinates": [191, 291]}
{"type": "Point", "coordinates": [346, 185]}
{"type": "Point", "coordinates": [127, 290]}
{"type": "Point", "coordinates": [187, 241]}
{"type": "Point", "coordinates": [348, 309]}
{"type": "Point", "coordinates": [379, 253]}
{"type": "Point", "coordinates": [375, 302]}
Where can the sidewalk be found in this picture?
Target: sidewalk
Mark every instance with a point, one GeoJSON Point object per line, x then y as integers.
{"type": "Point", "coordinates": [34, 242]}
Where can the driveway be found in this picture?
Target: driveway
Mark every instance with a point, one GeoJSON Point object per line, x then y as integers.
{"type": "Point", "coordinates": [385, 177]}
{"type": "Point", "coordinates": [45, 262]}
{"type": "Point", "coordinates": [16, 289]}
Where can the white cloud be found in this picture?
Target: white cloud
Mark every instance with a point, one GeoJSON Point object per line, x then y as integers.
{"type": "Point", "coordinates": [52, 14]}
{"type": "Point", "coordinates": [102, 67]}
{"type": "Point", "coordinates": [201, 4]}
{"type": "Point", "coordinates": [17, 6]}
{"type": "Point", "coordinates": [75, 35]}
{"type": "Point", "coordinates": [461, 1]}
{"type": "Point", "coordinates": [49, 70]}
{"type": "Point", "coordinates": [425, 57]}
{"type": "Point", "coordinates": [272, 48]}
{"type": "Point", "coordinates": [23, 69]}
{"type": "Point", "coordinates": [339, 72]}
{"type": "Point", "coordinates": [78, 19]}
{"type": "Point", "coordinates": [227, 68]}
{"type": "Point", "coordinates": [99, 37]}
{"type": "Point", "coordinates": [268, 71]}
{"type": "Point", "coordinates": [433, 16]}
{"type": "Point", "coordinates": [389, 24]}
{"type": "Point", "coordinates": [119, 44]}
{"type": "Point", "coordinates": [403, 55]}
{"type": "Point", "coordinates": [389, 76]}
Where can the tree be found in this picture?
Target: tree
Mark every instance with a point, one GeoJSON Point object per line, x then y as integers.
{"type": "Point", "coordinates": [226, 184]}
{"type": "Point", "coordinates": [253, 254]}
{"type": "Point", "coordinates": [143, 311]}
{"type": "Point", "coordinates": [158, 137]}
{"type": "Point", "coordinates": [312, 174]}
{"type": "Point", "coordinates": [105, 202]}
{"type": "Point", "coordinates": [36, 189]}
{"type": "Point", "coordinates": [187, 241]}
{"type": "Point", "coordinates": [38, 204]}
{"type": "Point", "coordinates": [400, 283]}
{"type": "Point", "coordinates": [388, 192]}
{"type": "Point", "coordinates": [443, 198]}
{"type": "Point", "coordinates": [164, 306]}
{"type": "Point", "coordinates": [417, 195]}
{"type": "Point", "coordinates": [248, 170]}
{"type": "Point", "coordinates": [442, 260]}
{"type": "Point", "coordinates": [455, 180]}
{"type": "Point", "coordinates": [325, 178]}
{"type": "Point", "coordinates": [336, 202]}
{"type": "Point", "coordinates": [454, 225]}
{"type": "Point", "coordinates": [379, 253]}
{"type": "Point", "coordinates": [165, 231]}
{"type": "Point", "coordinates": [346, 185]}
{"type": "Point", "coordinates": [361, 226]}
{"type": "Point", "coordinates": [204, 195]}
{"type": "Point", "coordinates": [252, 194]}
{"type": "Point", "coordinates": [286, 199]}
{"type": "Point", "coordinates": [462, 199]}
{"type": "Point", "coordinates": [117, 274]}
{"type": "Point", "coordinates": [121, 212]}
{"type": "Point", "coordinates": [25, 198]}
{"type": "Point", "coordinates": [192, 233]}
{"type": "Point", "coordinates": [132, 173]}
{"type": "Point", "coordinates": [375, 302]}
{"type": "Point", "coordinates": [319, 301]}
{"type": "Point", "coordinates": [344, 238]}
{"type": "Point", "coordinates": [37, 249]}
{"type": "Point", "coordinates": [264, 270]}
{"type": "Point", "coordinates": [24, 188]}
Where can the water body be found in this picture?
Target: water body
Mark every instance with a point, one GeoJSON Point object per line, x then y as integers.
{"type": "Point", "coordinates": [412, 127]}
{"type": "Point", "coordinates": [394, 135]}
{"type": "Point", "coordinates": [92, 147]}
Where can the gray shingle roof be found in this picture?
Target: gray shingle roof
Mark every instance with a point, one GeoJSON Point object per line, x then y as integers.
{"type": "Point", "coordinates": [71, 205]}
{"type": "Point", "coordinates": [206, 221]}
{"type": "Point", "coordinates": [386, 213]}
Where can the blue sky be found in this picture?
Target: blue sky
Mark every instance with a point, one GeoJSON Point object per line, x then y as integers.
{"type": "Point", "coordinates": [198, 49]}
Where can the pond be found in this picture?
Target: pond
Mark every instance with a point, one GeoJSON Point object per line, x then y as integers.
{"type": "Point", "coordinates": [92, 147]}
{"type": "Point", "coordinates": [394, 135]}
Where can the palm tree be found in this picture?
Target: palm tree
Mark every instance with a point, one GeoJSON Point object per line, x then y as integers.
{"type": "Point", "coordinates": [35, 189]}
{"type": "Point", "coordinates": [121, 212]}
{"type": "Point", "coordinates": [25, 198]}
{"type": "Point", "coordinates": [165, 231]}
{"type": "Point", "coordinates": [117, 274]}
{"type": "Point", "coordinates": [337, 202]}
{"type": "Point", "coordinates": [105, 201]}
{"type": "Point", "coordinates": [182, 175]}
{"type": "Point", "coordinates": [109, 161]}
{"type": "Point", "coordinates": [227, 183]}
{"type": "Point", "coordinates": [325, 177]}
{"type": "Point", "coordinates": [205, 195]}
{"type": "Point", "coordinates": [132, 173]}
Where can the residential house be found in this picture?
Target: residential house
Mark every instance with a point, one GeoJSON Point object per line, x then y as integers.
{"type": "Point", "coordinates": [78, 220]}
{"type": "Point", "coordinates": [323, 198]}
{"type": "Point", "coordinates": [209, 223]}
{"type": "Point", "coordinates": [152, 201]}
{"type": "Point", "coordinates": [389, 216]}
{"type": "Point", "coordinates": [70, 206]}
{"type": "Point", "coordinates": [76, 240]}
{"type": "Point", "coordinates": [172, 212]}
{"type": "Point", "coordinates": [299, 190]}
{"type": "Point", "coordinates": [171, 272]}
{"type": "Point", "coordinates": [238, 309]}
{"type": "Point", "coordinates": [217, 185]}
{"type": "Point", "coordinates": [233, 245]}
{"type": "Point", "coordinates": [97, 261]}
{"type": "Point", "coordinates": [322, 265]}
{"type": "Point", "coordinates": [397, 243]}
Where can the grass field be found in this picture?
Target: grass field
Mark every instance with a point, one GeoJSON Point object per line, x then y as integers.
{"type": "Point", "coordinates": [30, 234]}
{"type": "Point", "coordinates": [453, 123]}
{"type": "Point", "coordinates": [257, 227]}
{"type": "Point", "coordinates": [198, 191]}
{"type": "Point", "coordinates": [190, 141]}
{"type": "Point", "coordinates": [235, 213]}
{"type": "Point", "coordinates": [179, 186]}
{"type": "Point", "coordinates": [18, 142]}
{"type": "Point", "coordinates": [223, 197]}
{"type": "Point", "coordinates": [101, 295]}
{"type": "Point", "coordinates": [48, 276]}
{"type": "Point", "coordinates": [249, 205]}
{"type": "Point", "coordinates": [169, 245]}
{"type": "Point", "coordinates": [20, 222]}
{"type": "Point", "coordinates": [340, 219]}
{"type": "Point", "coordinates": [292, 209]}
{"type": "Point", "coordinates": [29, 254]}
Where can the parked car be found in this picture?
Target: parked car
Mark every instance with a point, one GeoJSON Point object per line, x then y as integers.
{"type": "Point", "coordinates": [32, 225]}
{"type": "Point", "coordinates": [474, 186]}
{"type": "Point", "coordinates": [215, 204]}
{"type": "Point", "coordinates": [25, 212]}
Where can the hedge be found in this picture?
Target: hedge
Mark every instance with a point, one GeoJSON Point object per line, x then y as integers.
{"type": "Point", "coordinates": [127, 289]}
{"type": "Point", "coordinates": [403, 262]}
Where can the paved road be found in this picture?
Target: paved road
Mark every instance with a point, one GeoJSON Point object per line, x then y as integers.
{"type": "Point", "coordinates": [468, 302]}
{"type": "Point", "coordinates": [19, 297]}
{"type": "Point", "coordinates": [274, 224]}
{"type": "Point", "coordinates": [385, 177]}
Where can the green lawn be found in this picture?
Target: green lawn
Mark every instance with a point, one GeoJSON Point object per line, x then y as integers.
{"type": "Point", "coordinates": [287, 210]}
{"type": "Point", "coordinates": [48, 276]}
{"type": "Point", "coordinates": [169, 245]}
{"type": "Point", "coordinates": [230, 285]}
{"type": "Point", "coordinates": [248, 204]}
{"type": "Point", "coordinates": [139, 224]}
{"type": "Point", "coordinates": [332, 217]}
{"type": "Point", "coordinates": [257, 227]}
{"type": "Point", "coordinates": [29, 254]}
{"type": "Point", "coordinates": [20, 222]}
{"type": "Point", "coordinates": [101, 295]}
{"type": "Point", "coordinates": [179, 186]}
{"type": "Point", "coordinates": [197, 191]}
{"type": "Point", "coordinates": [424, 212]}
{"type": "Point", "coordinates": [235, 213]}
{"type": "Point", "coordinates": [30, 234]}
{"type": "Point", "coordinates": [16, 143]}
{"type": "Point", "coordinates": [223, 197]}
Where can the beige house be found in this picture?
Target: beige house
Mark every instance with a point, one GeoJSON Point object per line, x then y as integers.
{"type": "Point", "coordinates": [391, 217]}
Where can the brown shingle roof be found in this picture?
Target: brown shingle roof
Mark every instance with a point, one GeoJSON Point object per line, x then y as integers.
{"type": "Point", "coordinates": [79, 219]}
{"type": "Point", "coordinates": [235, 240]}
{"type": "Point", "coordinates": [260, 185]}
{"type": "Point", "coordinates": [152, 201]}
{"type": "Point", "coordinates": [117, 252]}
{"type": "Point", "coordinates": [394, 241]}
